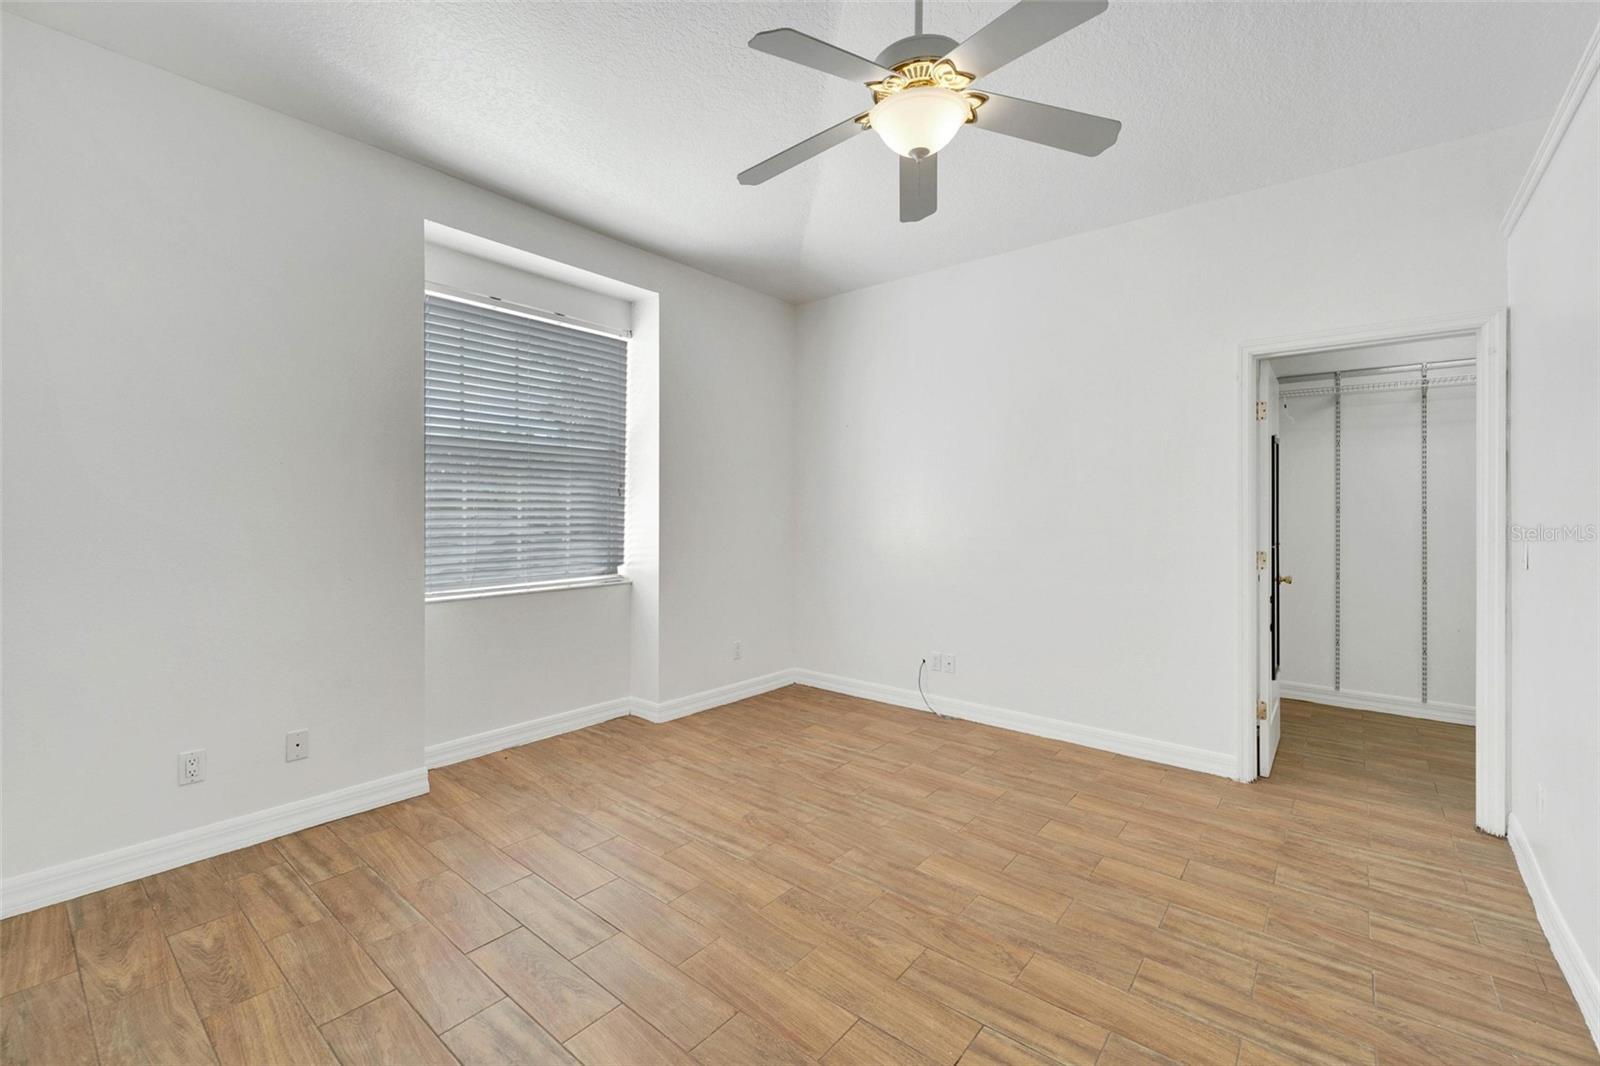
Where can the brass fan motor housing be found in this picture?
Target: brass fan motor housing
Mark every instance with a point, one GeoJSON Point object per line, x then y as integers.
{"type": "Point", "coordinates": [926, 72]}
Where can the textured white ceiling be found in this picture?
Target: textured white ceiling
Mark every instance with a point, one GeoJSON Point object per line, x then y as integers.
{"type": "Point", "coordinates": [633, 118]}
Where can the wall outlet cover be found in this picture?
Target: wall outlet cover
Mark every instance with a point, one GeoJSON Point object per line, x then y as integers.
{"type": "Point", "coordinates": [297, 745]}
{"type": "Point", "coordinates": [191, 766]}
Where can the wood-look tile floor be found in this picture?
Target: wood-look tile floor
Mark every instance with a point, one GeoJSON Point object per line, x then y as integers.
{"type": "Point", "coordinates": [805, 877]}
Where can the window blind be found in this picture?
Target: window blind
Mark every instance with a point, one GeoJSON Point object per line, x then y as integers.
{"type": "Point", "coordinates": [525, 425]}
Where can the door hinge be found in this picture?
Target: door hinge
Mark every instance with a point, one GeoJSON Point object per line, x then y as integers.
{"type": "Point", "coordinates": [1261, 410]}
{"type": "Point", "coordinates": [1261, 710]}
{"type": "Point", "coordinates": [1261, 560]}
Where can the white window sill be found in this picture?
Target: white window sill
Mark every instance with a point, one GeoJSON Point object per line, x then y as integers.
{"type": "Point", "coordinates": [603, 581]}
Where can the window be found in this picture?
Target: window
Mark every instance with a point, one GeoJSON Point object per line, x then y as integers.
{"type": "Point", "coordinates": [525, 424]}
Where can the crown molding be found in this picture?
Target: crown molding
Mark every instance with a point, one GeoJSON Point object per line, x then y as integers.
{"type": "Point", "coordinates": [1571, 100]}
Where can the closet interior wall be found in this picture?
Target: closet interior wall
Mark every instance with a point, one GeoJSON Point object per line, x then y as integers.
{"type": "Point", "coordinates": [1377, 532]}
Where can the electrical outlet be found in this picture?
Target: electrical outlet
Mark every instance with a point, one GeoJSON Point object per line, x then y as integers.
{"type": "Point", "coordinates": [297, 745]}
{"type": "Point", "coordinates": [738, 650]}
{"type": "Point", "coordinates": [936, 662]}
{"type": "Point", "coordinates": [191, 766]}
{"type": "Point", "coordinates": [949, 663]}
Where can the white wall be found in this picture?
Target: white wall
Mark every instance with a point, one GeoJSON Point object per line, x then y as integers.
{"type": "Point", "coordinates": [1452, 547]}
{"type": "Point", "coordinates": [213, 454]}
{"type": "Point", "coordinates": [1553, 481]}
{"type": "Point", "coordinates": [727, 497]}
{"type": "Point", "coordinates": [499, 661]}
{"type": "Point", "coordinates": [1382, 534]}
{"type": "Point", "coordinates": [1380, 604]}
{"type": "Point", "coordinates": [1031, 460]}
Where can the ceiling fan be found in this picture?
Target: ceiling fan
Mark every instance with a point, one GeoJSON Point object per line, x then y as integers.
{"type": "Point", "coordinates": [922, 95]}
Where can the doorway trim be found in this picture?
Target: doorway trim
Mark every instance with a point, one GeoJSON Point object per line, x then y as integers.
{"type": "Point", "coordinates": [1490, 561]}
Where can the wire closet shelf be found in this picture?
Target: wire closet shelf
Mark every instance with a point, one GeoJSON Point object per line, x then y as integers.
{"type": "Point", "coordinates": [1389, 379]}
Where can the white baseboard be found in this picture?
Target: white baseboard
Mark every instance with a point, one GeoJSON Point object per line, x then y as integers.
{"type": "Point", "coordinates": [696, 702]}
{"type": "Point", "coordinates": [550, 725]}
{"type": "Point", "coordinates": [26, 892]}
{"type": "Point", "coordinates": [1455, 713]}
{"type": "Point", "coordinates": [1161, 751]}
{"type": "Point", "coordinates": [1575, 967]}
{"type": "Point", "coordinates": [511, 736]}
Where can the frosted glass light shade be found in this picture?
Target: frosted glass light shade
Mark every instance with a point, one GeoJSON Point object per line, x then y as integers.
{"type": "Point", "coordinates": [918, 122]}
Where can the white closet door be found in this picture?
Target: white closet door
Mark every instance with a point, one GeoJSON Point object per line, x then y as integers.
{"type": "Point", "coordinates": [1305, 479]}
{"type": "Point", "coordinates": [1381, 572]}
{"type": "Point", "coordinates": [1452, 606]}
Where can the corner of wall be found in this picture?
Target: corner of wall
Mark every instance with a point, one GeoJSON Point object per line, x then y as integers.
{"type": "Point", "coordinates": [1563, 942]}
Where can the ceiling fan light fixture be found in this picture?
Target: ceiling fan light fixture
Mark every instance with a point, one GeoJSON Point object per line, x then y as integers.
{"type": "Point", "coordinates": [918, 122]}
{"type": "Point", "coordinates": [922, 94]}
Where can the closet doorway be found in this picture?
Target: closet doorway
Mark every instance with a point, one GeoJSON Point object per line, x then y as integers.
{"type": "Point", "coordinates": [1374, 561]}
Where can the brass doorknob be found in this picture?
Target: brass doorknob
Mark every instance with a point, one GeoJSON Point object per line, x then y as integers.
{"type": "Point", "coordinates": [1286, 580]}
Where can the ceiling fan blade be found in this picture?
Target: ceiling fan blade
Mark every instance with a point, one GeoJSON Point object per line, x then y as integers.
{"type": "Point", "coordinates": [1072, 131]}
{"type": "Point", "coordinates": [1018, 31]}
{"type": "Point", "coordinates": [806, 50]}
{"type": "Point", "coordinates": [919, 187]}
{"type": "Point", "coordinates": [816, 144]}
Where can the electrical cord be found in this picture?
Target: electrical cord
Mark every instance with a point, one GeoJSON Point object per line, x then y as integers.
{"type": "Point", "coordinates": [920, 668]}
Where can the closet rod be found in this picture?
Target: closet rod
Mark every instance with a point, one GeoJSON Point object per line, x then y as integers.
{"type": "Point", "coordinates": [1443, 364]}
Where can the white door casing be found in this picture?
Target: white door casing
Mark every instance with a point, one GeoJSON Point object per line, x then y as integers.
{"type": "Point", "coordinates": [1489, 329]}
